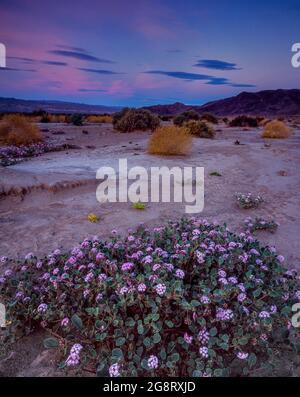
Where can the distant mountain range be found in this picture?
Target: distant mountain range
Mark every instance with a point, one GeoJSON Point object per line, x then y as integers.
{"type": "Point", "coordinates": [264, 103]}
{"type": "Point", "coordinates": [28, 106]}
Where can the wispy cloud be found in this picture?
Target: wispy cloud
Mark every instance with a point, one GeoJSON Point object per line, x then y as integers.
{"type": "Point", "coordinates": [17, 70]}
{"type": "Point", "coordinates": [46, 62]}
{"type": "Point", "coordinates": [242, 85]}
{"type": "Point", "coordinates": [79, 55]}
{"type": "Point", "coordinates": [90, 90]}
{"type": "Point", "coordinates": [180, 75]}
{"type": "Point", "coordinates": [71, 48]}
{"type": "Point", "coordinates": [98, 71]}
{"type": "Point", "coordinates": [210, 80]}
{"type": "Point", "coordinates": [54, 63]}
{"type": "Point", "coordinates": [216, 64]}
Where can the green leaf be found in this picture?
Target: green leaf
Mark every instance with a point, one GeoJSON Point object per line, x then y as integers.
{"type": "Point", "coordinates": [197, 373]}
{"type": "Point", "coordinates": [252, 360]}
{"type": "Point", "coordinates": [218, 372]}
{"type": "Point", "coordinates": [130, 322]}
{"type": "Point", "coordinates": [147, 342]}
{"type": "Point", "coordinates": [195, 303]}
{"type": "Point", "coordinates": [174, 357]}
{"type": "Point", "coordinates": [155, 317]}
{"type": "Point", "coordinates": [244, 340]}
{"type": "Point", "coordinates": [51, 343]}
{"type": "Point", "coordinates": [169, 323]}
{"type": "Point", "coordinates": [101, 337]}
{"type": "Point", "coordinates": [76, 321]}
{"type": "Point", "coordinates": [117, 353]}
{"type": "Point", "coordinates": [257, 292]}
{"type": "Point", "coordinates": [213, 331]}
{"type": "Point", "coordinates": [120, 341]}
{"type": "Point", "coordinates": [156, 338]}
{"type": "Point", "coordinates": [163, 354]}
{"type": "Point", "coordinates": [140, 329]}
{"type": "Point", "coordinates": [224, 346]}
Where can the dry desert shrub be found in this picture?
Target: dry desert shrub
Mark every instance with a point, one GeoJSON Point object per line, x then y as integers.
{"type": "Point", "coordinates": [244, 121]}
{"type": "Point", "coordinates": [16, 130]}
{"type": "Point", "coordinates": [58, 118]}
{"type": "Point", "coordinates": [186, 116]}
{"type": "Point", "coordinates": [210, 118]}
{"type": "Point", "coordinates": [99, 118]}
{"type": "Point", "coordinates": [200, 129]}
{"type": "Point", "coordinates": [276, 129]}
{"type": "Point", "coordinates": [170, 140]}
{"type": "Point", "coordinates": [128, 120]}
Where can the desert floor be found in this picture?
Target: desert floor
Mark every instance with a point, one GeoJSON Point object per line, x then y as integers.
{"type": "Point", "coordinates": [45, 201]}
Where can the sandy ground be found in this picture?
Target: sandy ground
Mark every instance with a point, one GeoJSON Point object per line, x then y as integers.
{"type": "Point", "coordinates": [45, 201]}
{"type": "Point", "coordinates": [49, 197]}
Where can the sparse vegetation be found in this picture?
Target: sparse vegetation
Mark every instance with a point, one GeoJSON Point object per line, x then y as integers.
{"type": "Point", "coordinates": [16, 130]}
{"type": "Point", "coordinates": [244, 121]}
{"type": "Point", "coordinates": [277, 130]}
{"type": "Point", "coordinates": [200, 129]}
{"type": "Point", "coordinates": [128, 120]}
{"type": "Point", "coordinates": [99, 118]}
{"type": "Point", "coordinates": [185, 117]}
{"type": "Point", "coordinates": [170, 140]}
{"type": "Point", "coordinates": [215, 173]}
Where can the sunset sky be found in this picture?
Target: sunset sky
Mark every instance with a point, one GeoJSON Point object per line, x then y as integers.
{"type": "Point", "coordinates": [143, 52]}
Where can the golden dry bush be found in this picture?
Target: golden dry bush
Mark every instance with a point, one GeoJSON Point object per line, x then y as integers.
{"type": "Point", "coordinates": [17, 130]}
{"type": "Point", "coordinates": [100, 118]}
{"type": "Point", "coordinates": [277, 130]}
{"type": "Point", "coordinates": [57, 118]}
{"type": "Point", "coordinates": [170, 140]}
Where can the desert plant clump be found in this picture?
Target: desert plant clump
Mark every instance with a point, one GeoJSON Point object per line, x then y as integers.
{"type": "Point", "coordinates": [277, 130]}
{"type": "Point", "coordinates": [188, 298]}
{"type": "Point", "coordinates": [244, 121]}
{"type": "Point", "coordinates": [200, 129]}
{"type": "Point", "coordinates": [210, 118]}
{"type": "Point", "coordinates": [248, 200]}
{"type": "Point", "coordinates": [128, 120]}
{"type": "Point", "coordinates": [185, 117]}
{"type": "Point", "coordinates": [215, 173]}
{"type": "Point", "coordinates": [170, 140]}
{"type": "Point", "coordinates": [138, 206]}
{"type": "Point", "coordinates": [77, 119]}
{"type": "Point", "coordinates": [256, 224]}
{"type": "Point", "coordinates": [99, 118]}
{"type": "Point", "coordinates": [16, 130]}
{"type": "Point", "coordinates": [93, 218]}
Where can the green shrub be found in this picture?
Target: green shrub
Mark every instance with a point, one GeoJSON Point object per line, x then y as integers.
{"type": "Point", "coordinates": [187, 299]}
{"type": "Point", "coordinates": [77, 119]}
{"type": "Point", "coordinates": [210, 118]}
{"type": "Point", "coordinates": [186, 116]}
{"type": "Point", "coordinates": [200, 129]}
{"type": "Point", "coordinates": [244, 121]}
{"type": "Point", "coordinates": [128, 120]}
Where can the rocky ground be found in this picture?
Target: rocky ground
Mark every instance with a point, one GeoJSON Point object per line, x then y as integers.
{"type": "Point", "coordinates": [45, 201]}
